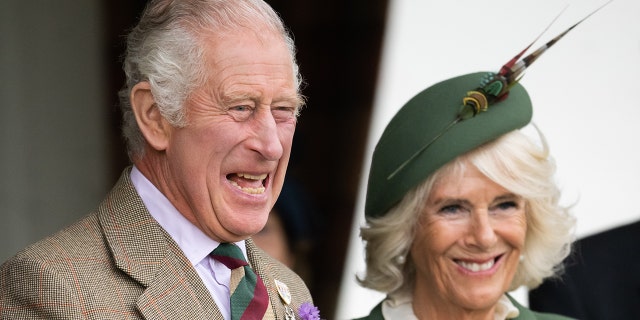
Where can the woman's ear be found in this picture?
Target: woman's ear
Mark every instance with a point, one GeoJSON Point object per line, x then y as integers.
{"type": "Point", "coordinates": [155, 129]}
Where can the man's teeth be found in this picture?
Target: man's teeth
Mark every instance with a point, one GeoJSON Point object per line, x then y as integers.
{"type": "Point", "coordinates": [252, 177]}
{"type": "Point", "coordinates": [475, 267]}
{"type": "Point", "coordinates": [250, 190]}
{"type": "Point", "coordinates": [258, 190]}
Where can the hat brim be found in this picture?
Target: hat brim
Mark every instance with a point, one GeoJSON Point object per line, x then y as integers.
{"type": "Point", "coordinates": [423, 118]}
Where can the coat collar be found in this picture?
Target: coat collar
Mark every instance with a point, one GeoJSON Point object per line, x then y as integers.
{"type": "Point", "coordinates": [173, 288]}
{"type": "Point", "coordinates": [525, 313]}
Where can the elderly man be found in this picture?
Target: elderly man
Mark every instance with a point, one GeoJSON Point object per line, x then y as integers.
{"type": "Point", "coordinates": [210, 110]}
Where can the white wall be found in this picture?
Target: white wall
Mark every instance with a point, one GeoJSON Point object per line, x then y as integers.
{"type": "Point", "coordinates": [53, 163]}
{"type": "Point", "coordinates": [583, 89]}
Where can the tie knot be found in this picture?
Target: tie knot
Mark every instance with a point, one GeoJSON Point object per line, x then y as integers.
{"type": "Point", "coordinates": [229, 255]}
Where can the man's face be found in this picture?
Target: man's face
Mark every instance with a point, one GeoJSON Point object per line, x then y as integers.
{"type": "Point", "coordinates": [226, 167]}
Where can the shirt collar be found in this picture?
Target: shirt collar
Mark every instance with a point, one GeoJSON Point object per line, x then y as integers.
{"type": "Point", "coordinates": [194, 243]}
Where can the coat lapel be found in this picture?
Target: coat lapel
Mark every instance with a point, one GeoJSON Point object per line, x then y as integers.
{"type": "Point", "coordinates": [146, 253]}
{"type": "Point", "coordinates": [525, 314]}
{"type": "Point", "coordinates": [260, 267]}
{"type": "Point", "coordinates": [271, 270]}
{"type": "Point", "coordinates": [177, 292]}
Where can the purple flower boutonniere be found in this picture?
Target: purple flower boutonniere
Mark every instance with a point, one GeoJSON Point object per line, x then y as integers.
{"type": "Point", "coordinates": [308, 311]}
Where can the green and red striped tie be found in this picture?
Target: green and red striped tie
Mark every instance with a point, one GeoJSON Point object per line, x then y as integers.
{"type": "Point", "coordinates": [249, 297]}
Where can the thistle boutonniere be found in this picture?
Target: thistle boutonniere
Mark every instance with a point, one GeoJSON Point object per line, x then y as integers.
{"type": "Point", "coordinates": [308, 311]}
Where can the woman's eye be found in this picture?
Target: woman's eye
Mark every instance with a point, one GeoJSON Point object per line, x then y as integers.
{"type": "Point", "coordinates": [507, 205]}
{"type": "Point", "coordinates": [451, 209]}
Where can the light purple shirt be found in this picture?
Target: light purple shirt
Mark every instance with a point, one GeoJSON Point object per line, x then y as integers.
{"type": "Point", "coordinates": [195, 245]}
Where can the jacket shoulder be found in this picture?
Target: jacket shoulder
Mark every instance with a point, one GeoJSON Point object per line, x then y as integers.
{"type": "Point", "coordinates": [375, 314]}
{"type": "Point", "coordinates": [548, 316]}
{"type": "Point", "coordinates": [528, 314]}
{"type": "Point", "coordinates": [77, 239]}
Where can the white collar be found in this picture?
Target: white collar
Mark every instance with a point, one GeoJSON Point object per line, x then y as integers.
{"type": "Point", "coordinates": [400, 306]}
{"type": "Point", "coordinates": [194, 243]}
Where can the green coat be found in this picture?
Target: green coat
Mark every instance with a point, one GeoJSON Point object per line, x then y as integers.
{"type": "Point", "coordinates": [525, 314]}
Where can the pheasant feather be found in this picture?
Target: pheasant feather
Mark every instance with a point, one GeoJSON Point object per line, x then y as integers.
{"type": "Point", "coordinates": [495, 87]}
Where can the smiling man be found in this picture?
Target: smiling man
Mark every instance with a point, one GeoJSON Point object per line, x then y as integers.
{"type": "Point", "coordinates": [210, 109]}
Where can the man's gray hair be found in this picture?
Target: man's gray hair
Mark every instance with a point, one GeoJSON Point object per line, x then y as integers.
{"type": "Point", "coordinates": [165, 49]}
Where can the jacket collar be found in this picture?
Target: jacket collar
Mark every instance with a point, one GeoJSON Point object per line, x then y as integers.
{"type": "Point", "coordinates": [173, 288]}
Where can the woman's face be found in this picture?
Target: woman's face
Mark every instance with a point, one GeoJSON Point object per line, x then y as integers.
{"type": "Point", "coordinates": [468, 243]}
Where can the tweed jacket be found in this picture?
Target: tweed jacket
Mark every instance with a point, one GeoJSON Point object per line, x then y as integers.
{"type": "Point", "coordinates": [118, 263]}
{"type": "Point", "coordinates": [525, 314]}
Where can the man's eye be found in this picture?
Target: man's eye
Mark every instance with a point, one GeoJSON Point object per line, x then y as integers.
{"type": "Point", "coordinates": [241, 108]}
{"type": "Point", "coordinates": [240, 112]}
{"type": "Point", "coordinates": [283, 113]}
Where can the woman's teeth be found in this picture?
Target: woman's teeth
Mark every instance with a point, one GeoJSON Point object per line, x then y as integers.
{"type": "Point", "coordinates": [476, 267]}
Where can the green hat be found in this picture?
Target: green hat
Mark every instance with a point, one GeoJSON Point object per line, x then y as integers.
{"type": "Point", "coordinates": [428, 132]}
{"type": "Point", "coordinates": [445, 121]}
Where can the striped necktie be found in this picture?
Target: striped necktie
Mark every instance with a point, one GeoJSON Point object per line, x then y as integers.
{"type": "Point", "coordinates": [249, 298]}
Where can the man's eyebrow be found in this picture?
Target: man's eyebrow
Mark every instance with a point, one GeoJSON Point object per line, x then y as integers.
{"type": "Point", "coordinates": [296, 99]}
{"type": "Point", "coordinates": [229, 98]}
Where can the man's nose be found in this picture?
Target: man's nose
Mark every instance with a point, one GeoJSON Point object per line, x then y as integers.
{"type": "Point", "coordinates": [266, 138]}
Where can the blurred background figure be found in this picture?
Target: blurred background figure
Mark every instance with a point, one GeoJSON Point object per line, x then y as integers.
{"type": "Point", "coordinates": [291, 231]}
{"type": "Point", "coordinates": [601, 279]}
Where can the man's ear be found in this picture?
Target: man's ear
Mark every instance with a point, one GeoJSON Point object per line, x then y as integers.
{"type": "Point", "coordinates": [155, 129]}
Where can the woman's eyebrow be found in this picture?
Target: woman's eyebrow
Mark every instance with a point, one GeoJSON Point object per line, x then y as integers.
{"type": "Point", "coordinates": [508, 196]}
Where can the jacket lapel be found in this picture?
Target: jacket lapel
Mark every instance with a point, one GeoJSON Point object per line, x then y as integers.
{"type": "Point", "coordinates": [525, 314]}
{"type": "Point", "coordinates": [146, 253]}
{"type": "Point", "coordinates": [177, 292]}
{"type": "Point", "coordinates": [260, 267]}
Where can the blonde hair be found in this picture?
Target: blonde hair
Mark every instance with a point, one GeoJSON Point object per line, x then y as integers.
{"type": "Point", "coordinates": [513, 161]}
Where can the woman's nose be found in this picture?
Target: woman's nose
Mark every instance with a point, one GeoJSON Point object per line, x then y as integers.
{"type": "Point", "coordinates": [480, 231]}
